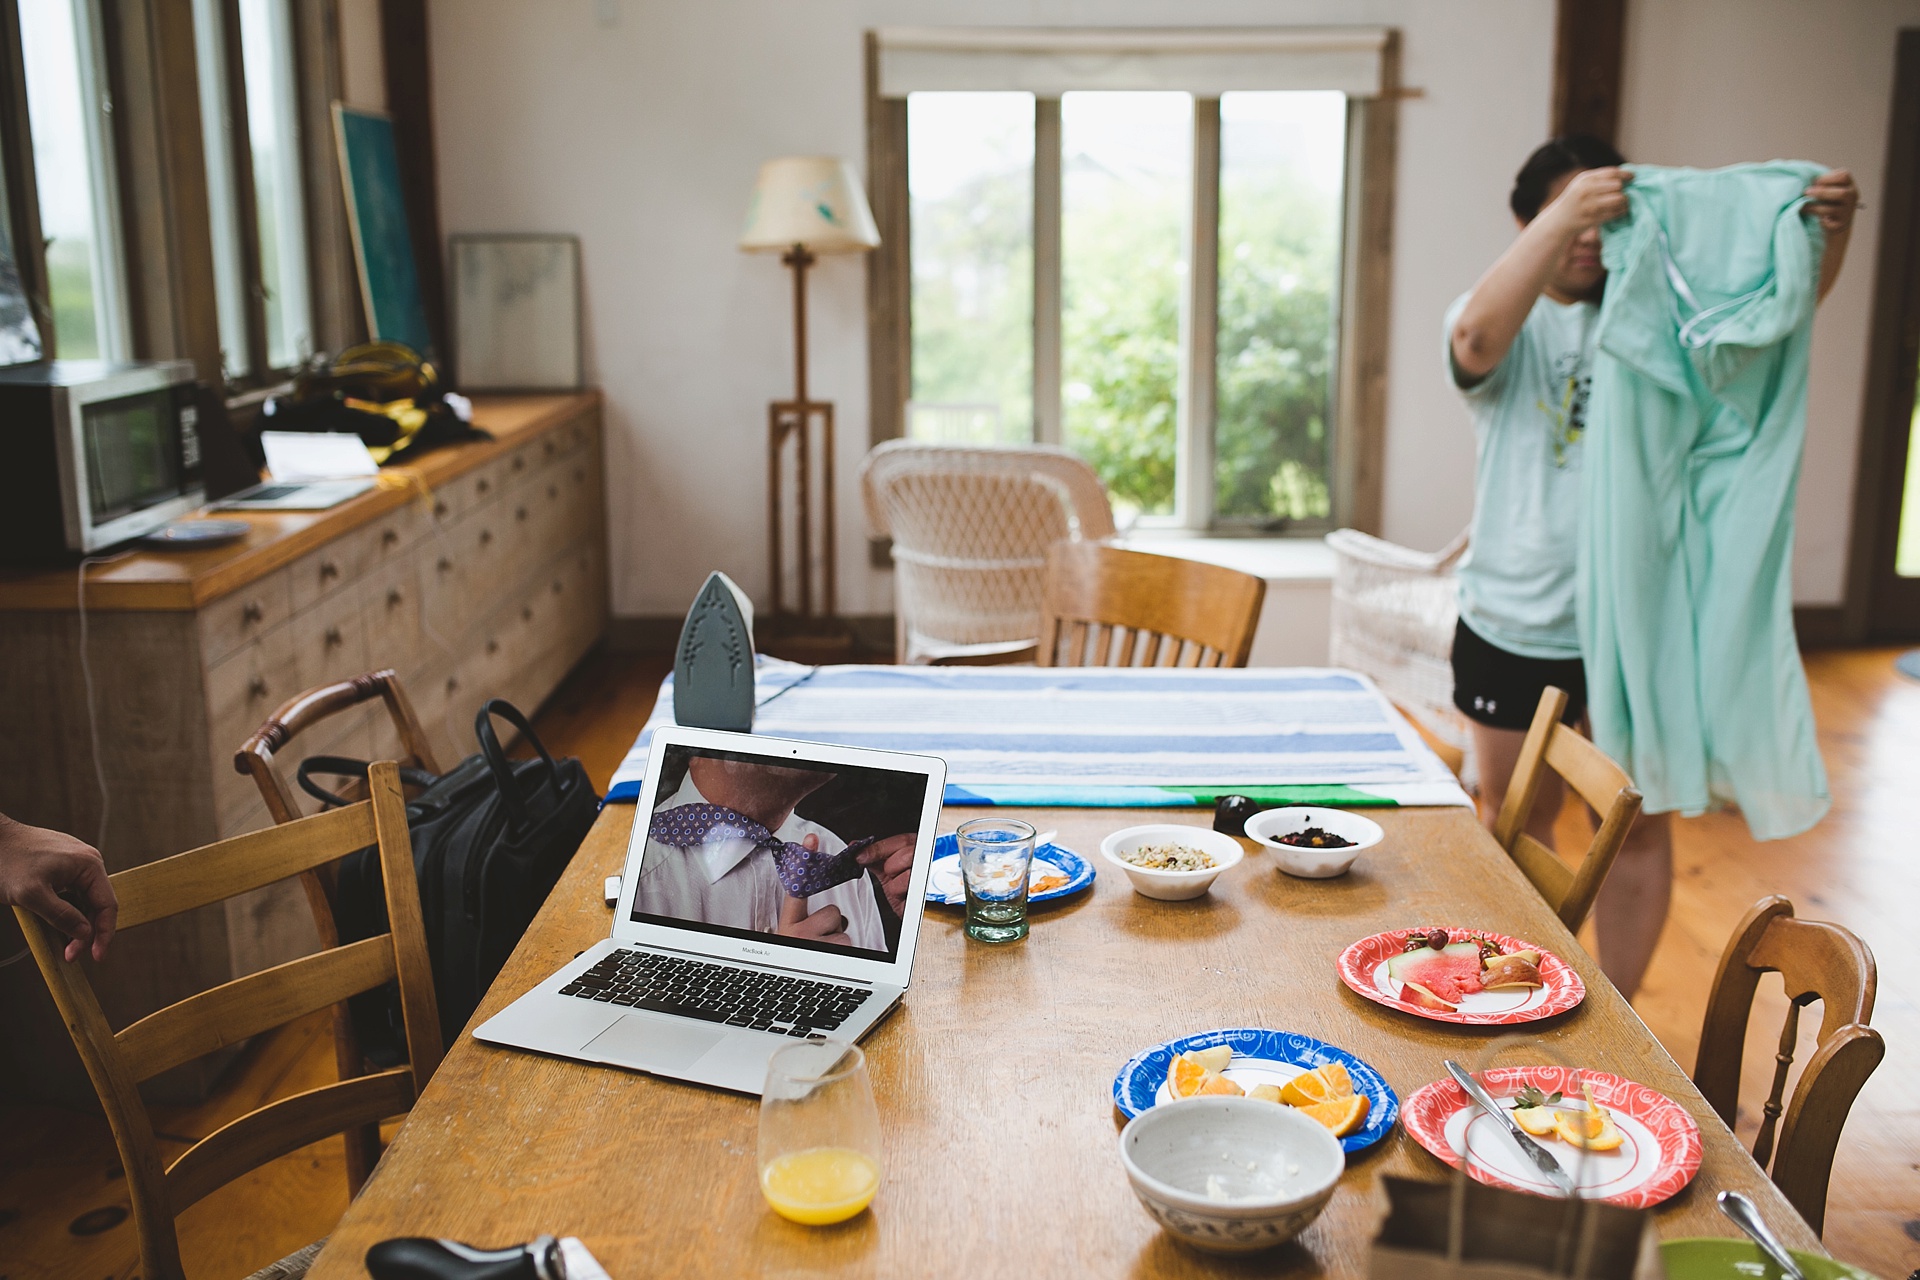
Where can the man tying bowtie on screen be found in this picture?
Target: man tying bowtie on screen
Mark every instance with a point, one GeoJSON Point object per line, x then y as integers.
{"type": "Point", "coordinates": [727, 849]}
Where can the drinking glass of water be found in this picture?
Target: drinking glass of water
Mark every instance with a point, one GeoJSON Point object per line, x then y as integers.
{"type": "Point", "coordinates": [996, 855]}
{"type": "Point", "coordinates": [819, 1133]}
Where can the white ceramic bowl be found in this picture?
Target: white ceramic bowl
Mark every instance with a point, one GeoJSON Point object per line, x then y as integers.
{"type": "Point", "coordinates": [1314, 864]}
{"type": "Point", "coordinates": [1172, 886]}
{"type": "Point", "coordinates": [1270, 1170]}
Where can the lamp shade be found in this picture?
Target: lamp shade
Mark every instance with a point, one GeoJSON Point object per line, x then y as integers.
{"type": "Point", "coordinates": [814, 201]}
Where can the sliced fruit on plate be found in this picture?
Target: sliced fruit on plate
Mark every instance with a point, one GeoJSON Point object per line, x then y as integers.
{"type": "Point", "coordinates": [1187, 1078]}
{"type": "Point", "coordinates": [1342, 1116]}
{"type": "Point", "coordinates": [1592, 1128]}
{"type": "Point", "coordinates": [1414, 993]}
{"type": "Point", "coordinates": [1265, 1092]}
{"type": "Point", "coordinates": [1218, 1058]}
{"type": "Point", "coordinates": [1533, 1111]}
{"type": "Point", "coordinates": [1512, 971]}
{"type": "Point", "coordinates": [1447, 974]}
{"type": "Point", "coordinates": [1322, 1084]}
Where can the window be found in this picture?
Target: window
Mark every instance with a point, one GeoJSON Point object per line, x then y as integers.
{"type": "Point", "coordinates": [70, 115]}
{"type": "Point", "coordinates": [249, 111]}
{"type": "Point", "coordinates": [1140, 245]}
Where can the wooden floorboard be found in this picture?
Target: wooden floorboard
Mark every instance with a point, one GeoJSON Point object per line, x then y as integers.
{"type": "Point", "coordinates": [59, 1175]}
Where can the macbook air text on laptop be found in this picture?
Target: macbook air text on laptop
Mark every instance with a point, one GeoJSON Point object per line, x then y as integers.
{"type": "Point", "coordinates": [773, 889]}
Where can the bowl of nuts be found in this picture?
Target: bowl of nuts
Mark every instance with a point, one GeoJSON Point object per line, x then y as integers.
{"type": "Point", "coordinates": [1169, 861]}
{"type": "Point", "coordinates": [1314, 844]}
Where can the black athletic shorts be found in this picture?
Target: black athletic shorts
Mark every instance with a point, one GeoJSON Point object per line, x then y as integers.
{"type": "Point", "coordinates": [1501, 689]}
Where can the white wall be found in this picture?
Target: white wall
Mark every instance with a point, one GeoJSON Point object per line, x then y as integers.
{"type": "Point", "coordinates": [1715, 82]}
{"type": "Point", "coordinates": [643, 134]}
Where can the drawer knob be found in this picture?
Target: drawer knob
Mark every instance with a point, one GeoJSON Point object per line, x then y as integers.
{"type": "Point", "coordinates": [444, 564]}
{"type": "Point", "coordinates": [439, 507]}
{"type": "Point", "coordinates": [251, 612]}
{"type": "Point", "coordinates": [579, 473]}
{"type": "Point", "coordinates": [553, 491]}
{"type": "Point", "coordinates": [332, 638]}
{"type": "Point", "coordinates": [486, 537]}
{"type": "Point", "coordinates": [493, 646]}
{"type": "Point", "coordinates": [328, 569]}
{"type": "Point", "coordinates": [519, 463]}
{"type": "Point", "coordinates": [484, 486]}
{"type": "Point", "coordinates": [453, 682]}
{"type": "Point", "coordinates": [388, 537]}
{"type": "Point", "coordinates": [549, 446]}
{"type": "Point", "coordinates": [256, 688]}
{"type": "Point", "coordinates": [526, 613]}
{"type": "Point", "coordinates": [520, 513]}
{"type": "Point", "coordinates": [556, 586]}
{"type": "Point", "coordinates": [394, 598]}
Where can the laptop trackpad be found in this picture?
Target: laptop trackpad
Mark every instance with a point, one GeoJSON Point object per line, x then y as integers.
{"type": "Point", "coordinates": [658, 1044]}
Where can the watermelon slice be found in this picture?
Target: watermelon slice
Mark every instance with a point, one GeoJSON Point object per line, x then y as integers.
{"type": "Point", "coordinates": [1446, 975]}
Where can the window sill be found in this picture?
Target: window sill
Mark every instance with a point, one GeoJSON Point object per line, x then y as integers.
{"type": "Point", "coordinates": [1274, 559]}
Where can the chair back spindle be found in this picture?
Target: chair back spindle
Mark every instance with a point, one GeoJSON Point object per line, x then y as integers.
{"type": "Point", "coordinates": [1107, 607]}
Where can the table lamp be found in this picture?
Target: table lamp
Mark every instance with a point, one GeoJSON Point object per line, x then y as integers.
{"type": "Point", "coordinates": [804, 206]}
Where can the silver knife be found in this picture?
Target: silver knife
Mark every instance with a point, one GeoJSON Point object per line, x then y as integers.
{"type": "Point", "coordinates": [1532, 1150]}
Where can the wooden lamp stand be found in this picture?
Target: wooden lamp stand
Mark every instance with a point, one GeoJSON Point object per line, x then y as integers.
{"type": "Point", "coordinates": [796, 420]}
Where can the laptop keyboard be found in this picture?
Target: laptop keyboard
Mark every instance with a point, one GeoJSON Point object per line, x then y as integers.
{"type": "Point", "coordinates": [751, 998]}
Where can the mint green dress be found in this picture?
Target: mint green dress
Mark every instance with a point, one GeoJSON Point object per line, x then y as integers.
{"type": "Point", "coordinates": [1696, 423]}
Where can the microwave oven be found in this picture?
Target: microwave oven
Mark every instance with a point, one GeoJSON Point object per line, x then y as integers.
{"type": "Point", "coordinates": [94, 453]}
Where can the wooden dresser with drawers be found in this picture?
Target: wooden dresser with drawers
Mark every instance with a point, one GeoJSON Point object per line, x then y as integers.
{"type": "Point", "coordinates": [478, 572]}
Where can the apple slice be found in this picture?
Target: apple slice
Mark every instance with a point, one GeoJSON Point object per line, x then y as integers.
{"type": "Point", "coordinates": [1414, 993]}
{"type": "Point", "coordinates": [1218, 1058]}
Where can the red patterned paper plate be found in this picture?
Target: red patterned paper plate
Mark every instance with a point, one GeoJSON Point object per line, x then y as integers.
{"type": "Point", "coordinates": [1363, 966]}
{"type": "Point", "coordinates": [1660, 1154]}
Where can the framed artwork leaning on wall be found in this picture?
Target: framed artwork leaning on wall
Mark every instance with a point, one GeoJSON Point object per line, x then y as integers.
{"type": "Point", "coordinates": [516, 312]}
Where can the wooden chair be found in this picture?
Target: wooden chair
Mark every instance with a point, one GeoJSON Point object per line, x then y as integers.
{"type": "Point", "coordinates": [255, 759]}
{"type": "Point", "coordinates": [1815, 961]}
{"type": "Point", "coordinates": [1596, 779]}
{"type": "Point", "coordinates": [304, 711]}
{"type": "Point", "coordinates": [1107, 607]}
{"type": "Point", "coordinates": [118, 1061]}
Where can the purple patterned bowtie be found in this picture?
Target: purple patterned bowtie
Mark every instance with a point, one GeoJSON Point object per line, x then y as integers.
{"type": "Point", "coordinates": [803, 872]}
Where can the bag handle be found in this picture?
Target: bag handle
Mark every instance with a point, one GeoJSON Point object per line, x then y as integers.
{"type": "Point", "coordinates": [496, 756]}
{"type": "Point", "coordinates": [346, 767]}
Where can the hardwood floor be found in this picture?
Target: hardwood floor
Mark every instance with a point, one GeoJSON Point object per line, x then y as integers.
{"type": "Point", "coordinates": [61, 1193]}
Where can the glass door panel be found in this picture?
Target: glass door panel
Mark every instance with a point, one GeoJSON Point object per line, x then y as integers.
{"type": "Point", "coordinates": [1282, 168]}
{"type": "Point", "coordinates": [970, 181]}
{"type": "Point", "coordinates": [1127, 197]}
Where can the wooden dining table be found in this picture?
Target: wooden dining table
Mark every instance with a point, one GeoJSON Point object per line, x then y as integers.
{"type": "Point", "coordinates": [994, 1081]}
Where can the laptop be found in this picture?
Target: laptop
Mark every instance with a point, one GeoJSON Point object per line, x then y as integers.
{"type": "Point", "coordinates": [773, 891]}
{"type": "Point", "coordinates": [295, 495]}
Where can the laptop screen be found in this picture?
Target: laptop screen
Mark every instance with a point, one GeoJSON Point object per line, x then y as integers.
{"type": "Point", "coordinates": [806, 854]}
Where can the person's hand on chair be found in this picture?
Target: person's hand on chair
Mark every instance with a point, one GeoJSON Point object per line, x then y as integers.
{"type": "Point", "coordinates": [60, 879]}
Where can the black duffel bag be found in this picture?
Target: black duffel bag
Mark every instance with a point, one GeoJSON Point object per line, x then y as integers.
{"type": "Point", "coordinates": [490, 839]}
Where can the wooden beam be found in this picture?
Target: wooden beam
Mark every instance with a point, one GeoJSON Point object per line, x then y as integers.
{"type": "Point", "coordinates": [403, 45]}
{"type": "Point", "coordinates": [1588, 45]}
{"type": "Point", "coordinates": [889, 279]}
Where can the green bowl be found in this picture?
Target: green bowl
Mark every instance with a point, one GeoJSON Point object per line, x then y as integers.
{"type": "Point", "coordinates": [1734, 1259]}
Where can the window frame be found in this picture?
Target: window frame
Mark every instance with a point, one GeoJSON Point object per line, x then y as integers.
{"type": "Point", "coordinates": [1357, 393]}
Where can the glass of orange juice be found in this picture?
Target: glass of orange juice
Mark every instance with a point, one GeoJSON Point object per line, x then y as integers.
{"type": "Point", "coordinates": [819, 1133]}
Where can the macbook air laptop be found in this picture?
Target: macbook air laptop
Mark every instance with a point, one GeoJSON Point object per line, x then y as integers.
{"type": "Point", "coordinates": [295, 495]}
{"type": "Point", "coordinates": [773, 890]}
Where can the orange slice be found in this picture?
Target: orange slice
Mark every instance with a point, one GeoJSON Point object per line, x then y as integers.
{"type": "Point", "coordinates": [1218, 1058]}
{"type": "Point", "coordinates": [1322, 1084]}
{"type": "Point", "coordinates": [1343, 1115]}
{"type": "Point", "coordinates": [1600, 1133]}
{"type": "Point", "coordinates": [1189, 1079]}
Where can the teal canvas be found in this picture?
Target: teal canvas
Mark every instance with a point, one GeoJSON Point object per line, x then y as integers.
{"type": "Point", "coordinates": [382, 242]}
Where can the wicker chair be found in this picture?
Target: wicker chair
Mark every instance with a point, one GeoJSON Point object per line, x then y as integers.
{"type": "Point", "coordinates": [970, 529]}
{"type": "Point", "coordinates": [1394, 611]}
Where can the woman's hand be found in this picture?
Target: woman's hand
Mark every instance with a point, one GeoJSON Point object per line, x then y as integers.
{"type": "Point", "coordinates": [60, 879]}
{"type": "Point", "coordinates": [1832, 199]}
{"type": "Point", "coordinates": [1592, 198]}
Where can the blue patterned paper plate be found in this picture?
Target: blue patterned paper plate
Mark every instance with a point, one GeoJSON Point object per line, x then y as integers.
{"type": "Point", "coordinates": [1260, 1056]}
{"type": "Point", "coordinates": [943, 879]}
